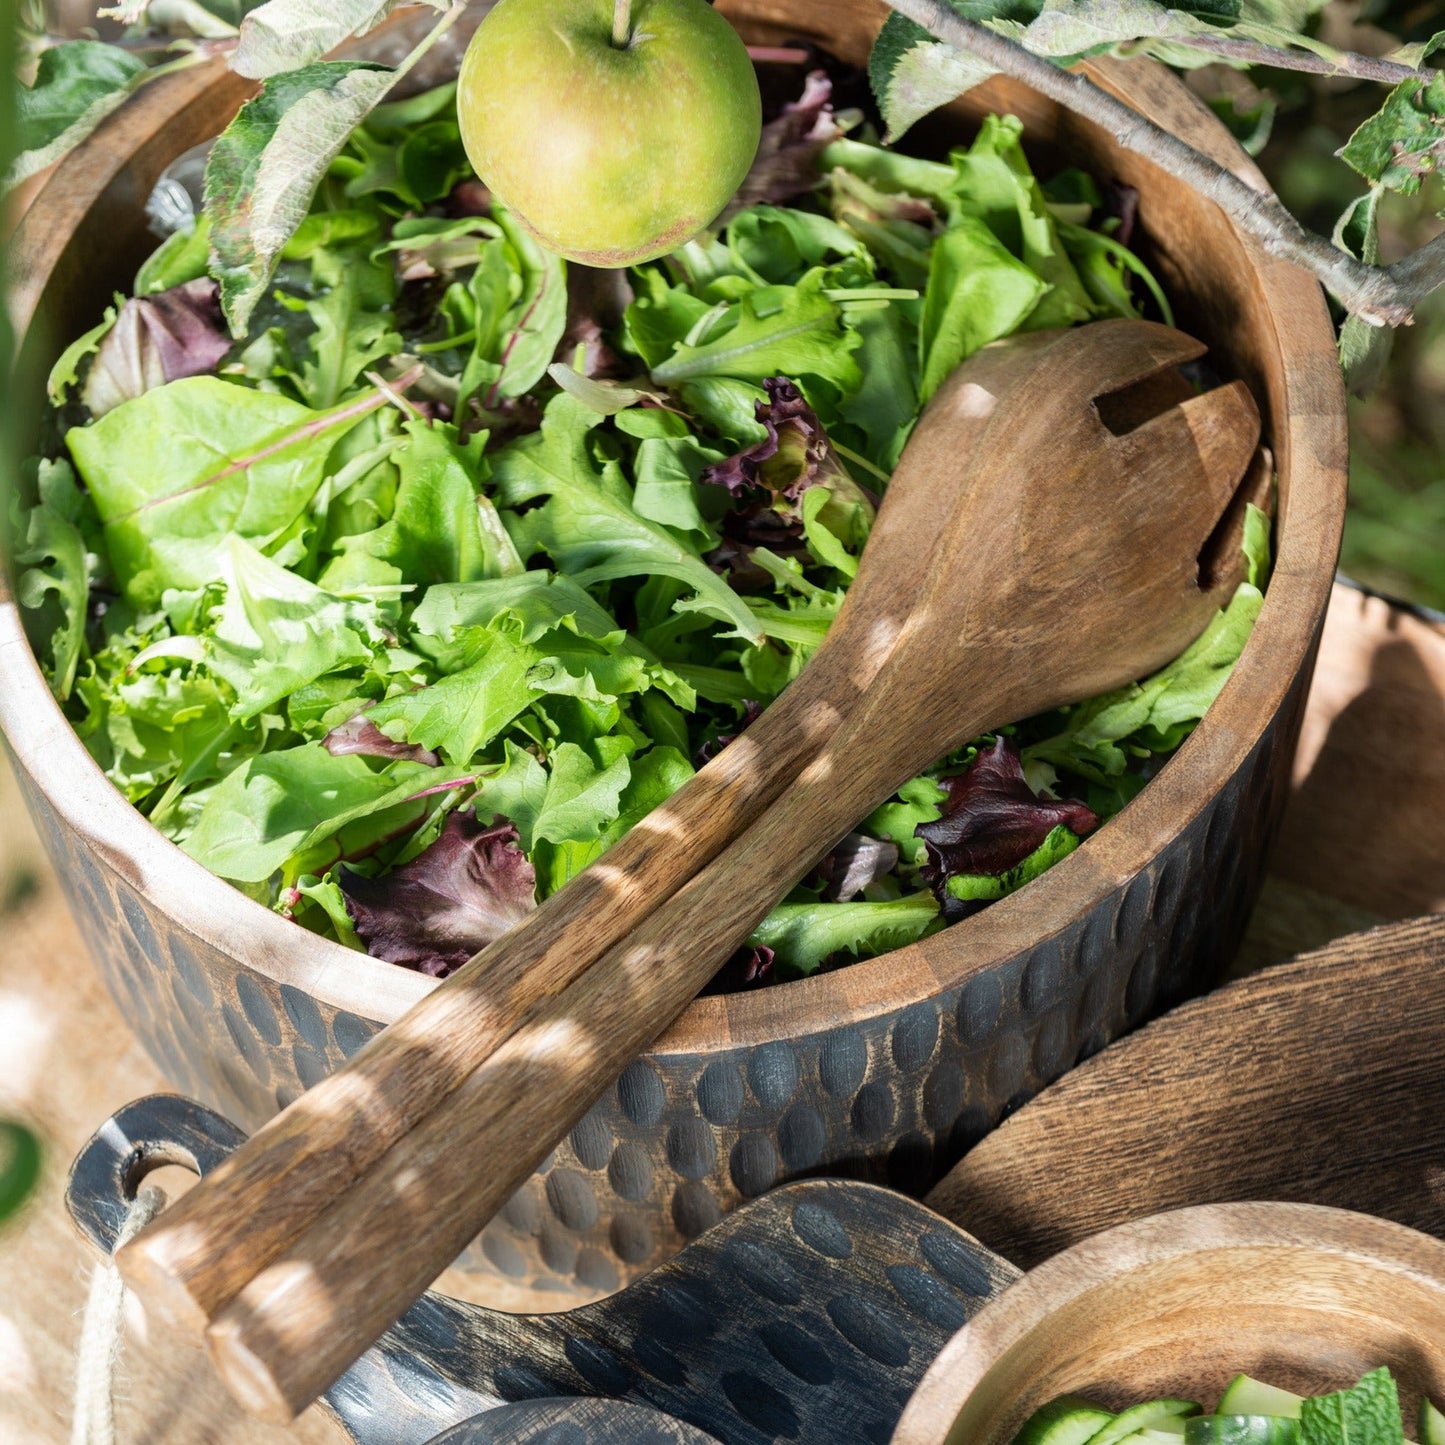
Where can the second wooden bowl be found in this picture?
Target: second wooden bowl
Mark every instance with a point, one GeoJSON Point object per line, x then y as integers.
{"type": "Point", "coordinates": [1177, 1304]}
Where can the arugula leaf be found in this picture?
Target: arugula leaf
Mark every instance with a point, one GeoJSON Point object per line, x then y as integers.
{"type": "Point", "coordinates": [803, 936]}
{"type": "Point", "coordinates": [774, 330]}
{"type": "Point", "coordinates": [265, 166]}
{"type": "Point", "coordinates": [77, 84]}
{"type": "Point", "coordinates": [459, 714]}
{"type": "Point", "coordinates": [589, 527]}
{"type": "Point", "coordinates": [1368, 1414]}
{"type": "Point", "coordinates": [178, 470]}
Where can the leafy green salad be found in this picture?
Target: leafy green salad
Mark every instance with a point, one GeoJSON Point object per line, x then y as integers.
{"type": "Point", "coordinates": [1249, 1413]}
{"type": "Point", "coordinates": [399, 609]}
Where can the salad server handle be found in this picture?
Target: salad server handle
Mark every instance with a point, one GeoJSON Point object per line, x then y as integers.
{"type": "Point", "coordinates": [309, 1313]}
{"type": "Point", "coordinates": [193, 1260]}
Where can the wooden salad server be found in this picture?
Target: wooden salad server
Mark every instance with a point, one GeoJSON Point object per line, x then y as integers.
{"type": "Point", "coordinates": [1028, 555]}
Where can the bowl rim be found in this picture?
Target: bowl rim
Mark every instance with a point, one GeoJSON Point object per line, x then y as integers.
{"type": "Point", "coordinates": [1172, 1234]}
{"type": "Point", "coordinates": [1310, 446]}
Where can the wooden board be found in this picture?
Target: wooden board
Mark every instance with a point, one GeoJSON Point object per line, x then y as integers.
{"type": "Point", "coordinates": [1319, 1081]}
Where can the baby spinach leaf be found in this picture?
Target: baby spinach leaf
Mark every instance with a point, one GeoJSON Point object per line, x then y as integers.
{"type": "Point", "coordinates": [283, 803]}
{"type": "Point", "coordinates": [977, 292]}
{"type": "Point", "coordinates": [178, 470]}
{"type": "Point", "coordinates": [77, 84]}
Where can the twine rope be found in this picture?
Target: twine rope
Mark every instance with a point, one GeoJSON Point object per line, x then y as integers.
{"type": "Point", "coordinates": [100, 1333]}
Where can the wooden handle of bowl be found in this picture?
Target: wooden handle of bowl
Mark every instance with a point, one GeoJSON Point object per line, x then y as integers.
{"type": "Point", "coordinates": [195, 1257]}
{"type": "Point", "coordinates": [307, 1316]}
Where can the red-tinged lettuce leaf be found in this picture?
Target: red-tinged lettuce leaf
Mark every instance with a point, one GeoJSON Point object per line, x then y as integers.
{"type": "Point", "coordinates": [156, 339]}
{"type": "Point", "coordinates": [855, 863]}
{"type": "Point", "coordinates": [467, 889]}
{"type": "Point", "coordinates": [993, 820]}
{"type": "Point", "coordinates": [794, 455]}
{"type": "Point", "coordinates": [749, 967]}
{"type": "Point", "coordinates": [361, 736]}
{"type": "Point", "coordinates": [786, 164]}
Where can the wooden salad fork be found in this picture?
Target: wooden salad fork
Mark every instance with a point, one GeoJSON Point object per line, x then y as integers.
{"type": "Point", "coordinates": [1065, 519]}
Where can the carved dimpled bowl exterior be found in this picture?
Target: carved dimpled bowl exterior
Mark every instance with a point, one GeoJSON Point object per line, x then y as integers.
{"type": "Point", "coordinates": [884, 1071]}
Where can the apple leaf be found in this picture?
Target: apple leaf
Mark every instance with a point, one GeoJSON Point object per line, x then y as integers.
{"type": "Point", "coordinates": [1404, 141]}
{"type": "Point", "coordinates": [76, 86]}
{"type": "Point", "coordinates": [913, 74]}
{"type": "Point", "coordinates": [266, 165]}
{"type": "Point", "coordinates": [1364, 349]}
{"type": "Point", "coordinates": [286, 34]}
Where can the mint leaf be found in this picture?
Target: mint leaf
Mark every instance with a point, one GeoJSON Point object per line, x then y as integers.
{"type": "Point", "coordinates": [266, 165]}
{"type": "Point", "coordinates": [1369, 1414]}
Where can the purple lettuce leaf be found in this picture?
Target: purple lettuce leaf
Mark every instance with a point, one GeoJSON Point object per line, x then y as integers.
{"type": "Point", "coordinates": [993, 820]}
{"type": "Point", "coordinates": [155, 339]}
{"type": "Point", "coordinates": [752, 711]}
{"type": "Point", "coordinates": [749, 967]}
{"type": "Point", "coordinates": [358, 734]}
{"type": "Point", "coordinates": [786, 164]}
{"type": "Point", "coordinates": [466, 890]}
{"type": "Point", "coordinates": [855, 863]}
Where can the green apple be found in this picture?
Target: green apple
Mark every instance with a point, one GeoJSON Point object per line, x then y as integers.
{"type": "Point", "coordinates": [609, 150]}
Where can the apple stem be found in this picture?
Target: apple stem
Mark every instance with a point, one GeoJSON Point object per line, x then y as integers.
{"type": "Point", "coordinates": [621, 23]}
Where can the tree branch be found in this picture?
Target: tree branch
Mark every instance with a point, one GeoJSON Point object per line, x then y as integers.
{"type": "Point", "coordinates": [1380, 295]}
{"type": "Point", "coordinates": [1345, 62]}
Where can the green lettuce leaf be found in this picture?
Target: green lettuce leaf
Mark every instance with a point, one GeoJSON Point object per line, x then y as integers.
{"type": "Point", "coordinates": [803, 935]}
{"type": "Point", "coordinates": [177, 471]}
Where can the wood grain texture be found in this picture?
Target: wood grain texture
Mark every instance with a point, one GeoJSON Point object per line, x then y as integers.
{"type": "Point", "coordinates": [1011, 455]}
{"type": "Point", "coordinates": [573, 1422]}
{"type": "Point", "coordinates": [1176, 1305]}
{"type": "Point", "coordinates": [886, 1070]}
{"type": "Point", "coordinates": [1318, 1080]}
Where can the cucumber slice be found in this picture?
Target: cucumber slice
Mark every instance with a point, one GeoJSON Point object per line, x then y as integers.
{"type": "Point", "coordinates": [1160, 1416]}
{"type": "Point", "coordinates": [1241, 1430]}
{"type": "Point", "coordinates": [1432, 1424]}
{"type": "Point", "coordinates": [1069, 1420]}
{"type": "Point", "coordinates": [1252, 1397]}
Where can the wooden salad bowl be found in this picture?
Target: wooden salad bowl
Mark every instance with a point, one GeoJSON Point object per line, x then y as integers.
{"type": "Point", "coordinates": [1175, 1305]}
{"type": "Point", "coordinates": [885, 1071]}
